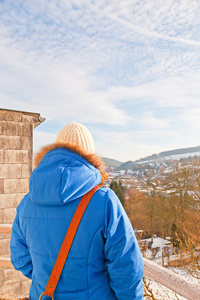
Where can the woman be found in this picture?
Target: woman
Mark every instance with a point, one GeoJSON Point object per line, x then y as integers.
{"type": "Point", "coordinates": [104, 261]}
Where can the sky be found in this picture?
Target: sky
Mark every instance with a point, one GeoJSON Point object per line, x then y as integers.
{"type": "Point", "coordinates": [128, 70]}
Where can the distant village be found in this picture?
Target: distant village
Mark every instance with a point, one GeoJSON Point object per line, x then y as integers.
{"type": "Point", "coordinates": [170, 175]}
{"type": "Point", "coordinates": [145, 174]}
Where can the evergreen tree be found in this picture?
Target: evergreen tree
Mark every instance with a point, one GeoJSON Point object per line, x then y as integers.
{"type": "Point", "coordinates": [118, 189]}
{"type": "Point", "coordinates": [174, 236]}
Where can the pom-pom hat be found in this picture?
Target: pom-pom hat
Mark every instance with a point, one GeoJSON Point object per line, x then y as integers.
{"type": "Point", "coordinates": [77, 134]}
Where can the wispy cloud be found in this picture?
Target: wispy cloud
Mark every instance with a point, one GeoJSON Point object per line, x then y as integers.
{"type": "Point", "coordinates": [42, 138]}
{"type": "Point", "coordinates": [176, 91]}
{"type": "Point", "coordinates": [170, 18]}
{"type": "Point", "coordinates": [64, 91]}
{"type": "Point", "coordinates": [124, 145]}
{"type": "Point", "coordinates": [150, 33]}
{"type": "Point", "coordinates": [131, 66]}
{"type": "Point", "coordinates": [191, 117]}
{"type": "Point", "coordinates": [149, 121]}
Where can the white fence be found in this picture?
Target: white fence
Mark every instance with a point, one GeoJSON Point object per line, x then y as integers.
{"type": "Point", "coordinates": [171, 280]}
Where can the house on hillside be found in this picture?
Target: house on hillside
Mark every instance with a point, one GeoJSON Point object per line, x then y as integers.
{"type": "Point", "coordinates": [160, 247]}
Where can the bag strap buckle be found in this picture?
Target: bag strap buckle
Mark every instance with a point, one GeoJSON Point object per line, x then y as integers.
{"type": "Point", "coordinates": [43, 295]}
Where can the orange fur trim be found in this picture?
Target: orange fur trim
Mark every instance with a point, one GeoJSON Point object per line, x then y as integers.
{"type": "Point", "coordinates": [93, 159]}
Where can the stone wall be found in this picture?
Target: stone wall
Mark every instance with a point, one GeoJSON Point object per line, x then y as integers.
{"type": "Point", "coordinates": [16, 152]}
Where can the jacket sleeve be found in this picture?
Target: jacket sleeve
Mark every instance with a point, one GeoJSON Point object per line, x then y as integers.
{"type": "Point", "coordinates": [20, 256]}
{"type": "Point", "coordinates": [123, 258]}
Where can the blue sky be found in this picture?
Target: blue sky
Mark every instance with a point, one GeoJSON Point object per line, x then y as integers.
{"type": "Point", "coordinates": [128, 70]}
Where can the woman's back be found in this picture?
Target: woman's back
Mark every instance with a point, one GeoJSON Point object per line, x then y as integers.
{"type": "Point", "coordinates": [104, 261]}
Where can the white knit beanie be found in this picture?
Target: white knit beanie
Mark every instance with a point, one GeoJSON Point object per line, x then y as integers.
{"type": "Point", "coordinates": [77, 134]}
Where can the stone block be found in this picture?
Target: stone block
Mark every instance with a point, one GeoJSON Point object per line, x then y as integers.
{"type": "Point", "coordinates": [13, 288]}
{"type": "Point", "coordinates": [1, 216]}
{"type": "Point", "coordinates": [15, 129]}
{"type": "Point", "coordinates": [12, 186]}
{"type": "Point", "coordinates": [18, 156]}
{"type": "Point", "coordinates": [27, 129]}
{"type": "Point", "coordinates": [4, 236]}
{"type": "Point", "coordinates": [10, 200]}
{"type": "Point", "coordinates": [11, 275]}
{"type": "Point", "coordinates": [10, 171]}
{"type": "Point", "coordinates": [9, 215]}
{"type": "Point", "coordinates": [10, 142]}
{"type": "Point", "coordinates": [2, 156]}
{"type": "Point", "coordinates": [11, 128]}
{"type": "Point", "coordinates": [5, 247]}
{"type": "Point", "coordinates": [26, 157]}
{"type": "Point", "coordinates": [25, 287]}
{"type": "Point", "coordinates": [27, 143]}
{"type": "Point", "coordinates": [26, 170]}
{"type": "Point", "coordinates": [1, 186]}
{"type": "Point", "coordinates": [1, 114]}
{"type": "Point", "coordinates": [14, 116]}
{"type": "Point", "coordinates": [29, 119]}
{"type": "Point", "coordinates": [2, 279]}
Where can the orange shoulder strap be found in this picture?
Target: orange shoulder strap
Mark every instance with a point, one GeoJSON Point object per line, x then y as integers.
{"type": "Point", "coordinates": [66, 245]}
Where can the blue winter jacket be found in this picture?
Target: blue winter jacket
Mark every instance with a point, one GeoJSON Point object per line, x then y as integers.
{"type": "Point", "coordinates": [104, 261]}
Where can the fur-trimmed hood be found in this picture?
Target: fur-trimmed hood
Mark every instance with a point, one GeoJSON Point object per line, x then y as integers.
{"type": "Point", "coordinates": [64, 172]}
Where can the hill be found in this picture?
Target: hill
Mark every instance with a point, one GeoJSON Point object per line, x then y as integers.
{"type": "Point", "coordinates": [176, 154]}
{"type": "Point", "coordinates": [111, 163]}
{"type": "Point", "coordinates": [180, 151]}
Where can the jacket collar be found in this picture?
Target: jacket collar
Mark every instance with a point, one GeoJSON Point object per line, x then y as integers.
{"type": "Point", "coordinates": [93, 159]}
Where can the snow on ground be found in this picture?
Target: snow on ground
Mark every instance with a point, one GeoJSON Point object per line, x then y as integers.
{"type": "Point", "coordinates": [179, 156]}
{"type": "Point", "coordinates": [170, 157]}
{"type": "Point", "coordinates": [160, 292]}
